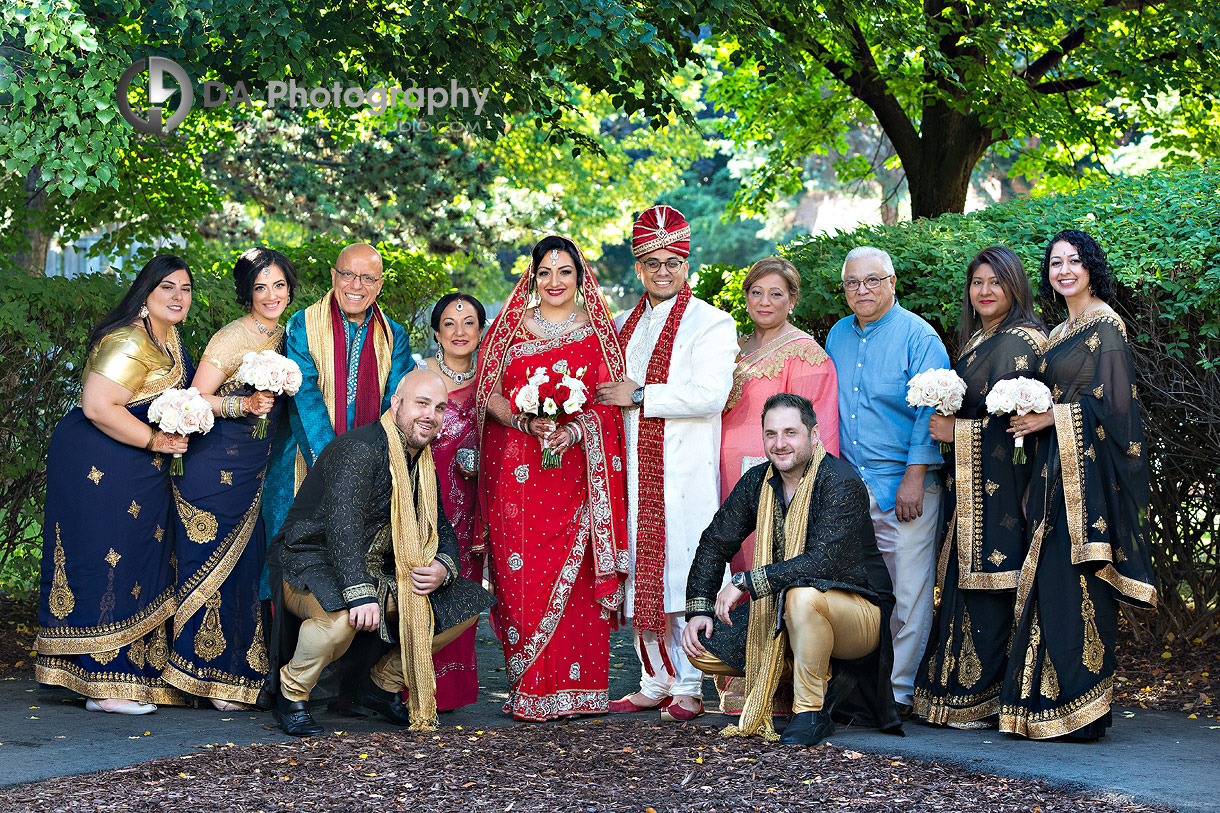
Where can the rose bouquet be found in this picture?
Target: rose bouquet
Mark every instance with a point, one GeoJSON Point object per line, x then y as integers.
{"type": "Point", "coordinates": [1020, 396]}
{"type": "Point", "coordinates": [941, 389]}
{"type": "Point", "coordinates": [268, 371]}
{"type": "Point", "coordinates": [181, 412]}
{"type": "Point", "coordinates": [543, 397]}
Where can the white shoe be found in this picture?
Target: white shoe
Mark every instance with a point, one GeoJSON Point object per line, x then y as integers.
{"type": "Point", "coordinates": [117, 706]}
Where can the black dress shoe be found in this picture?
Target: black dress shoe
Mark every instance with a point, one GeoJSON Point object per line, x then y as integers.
{"type": "Point", "coordinates": [808, 728]}
{"type": "Point", "coordinates": [388, 704]}
{"type": "Point", "coordinates": [294, 717]}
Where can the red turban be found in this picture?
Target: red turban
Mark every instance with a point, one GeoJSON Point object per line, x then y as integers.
{"type": "Point", "coordinates": [660, 227]}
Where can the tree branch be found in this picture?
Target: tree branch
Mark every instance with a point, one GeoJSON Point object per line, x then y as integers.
{"type": "Point", "coordinates": [1081, 82]}
{"type": "Point", "coordinates": [1043, 65]}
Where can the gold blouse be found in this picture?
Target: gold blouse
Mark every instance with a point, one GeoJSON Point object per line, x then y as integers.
{"type": "Point", "coordinates": [229, 345]}
{"type": "Point", "coordinates": [130, 358]}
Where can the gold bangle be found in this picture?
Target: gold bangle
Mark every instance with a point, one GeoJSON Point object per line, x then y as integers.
{"type": "Point", "coordinates": [152, 438]}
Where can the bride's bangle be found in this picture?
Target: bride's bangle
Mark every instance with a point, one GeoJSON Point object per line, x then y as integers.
{"type": "Point", "coordinates": [575, 431]}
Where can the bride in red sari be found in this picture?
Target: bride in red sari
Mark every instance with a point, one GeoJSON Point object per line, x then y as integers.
{"type": "Point", "coordinates": [558, 536]}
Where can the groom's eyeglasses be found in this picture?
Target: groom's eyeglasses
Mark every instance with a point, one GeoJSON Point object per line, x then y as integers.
{"type": "Point", "coordinates": [672, 264]}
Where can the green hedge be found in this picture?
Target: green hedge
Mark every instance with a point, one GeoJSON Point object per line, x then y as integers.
{"type": "Point", "coordinates": [44, 327]}
{"type": "Point", "coordinates": [1161, 232]}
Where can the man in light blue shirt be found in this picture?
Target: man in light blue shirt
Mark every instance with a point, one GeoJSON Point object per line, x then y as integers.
{"type": "Point", "coordinates": [876, 351]}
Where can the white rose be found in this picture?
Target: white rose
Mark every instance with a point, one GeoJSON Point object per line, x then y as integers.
{"type": "Point", "coordinates": [170, 418]}
{"type": "Point", "coordinates": [539, 377]}
{"type": "Point", "coordinates": [261, 379]}
{"type": "Point", "coordinates": [206, 421]}
{"type": "Point", "coordinates": [275, 379]}
{"type": "Point", "coordinates": [1023, 396]}
{"type": "Point", "coordinates": [527, 399]}
{"type": "Point", "coordinates": [191, 423]}
{"type": "Point", "coordinates": [293, 379]}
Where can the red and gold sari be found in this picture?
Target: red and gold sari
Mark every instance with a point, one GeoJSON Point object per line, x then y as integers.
{"type": "Point", "coordinates": [558, 537]}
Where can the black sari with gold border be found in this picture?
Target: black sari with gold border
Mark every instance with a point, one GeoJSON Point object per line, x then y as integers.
{"type": "Point", "coordinates": [108, 537]}
{"type": "Point", "coordinates": [964, 663]}
{"type": "Point", "coordinates": [219, 645]}
{"type": "Point", "coordinates": [1089, 542]}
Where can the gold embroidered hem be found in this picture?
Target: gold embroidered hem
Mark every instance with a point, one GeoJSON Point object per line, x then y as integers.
{"type": "Point", "coordinates": [87, 640]}
{"type": "Point", "coordinates": [1062, 332]}
{"type": "Point", "coordinates": [967, 525]}
{"type": "Point", "coordinates": [215, 684]}
{"type": "Point", "coordinates": [1061, 720]}
{"type": "Point", "coordinates": [55, 671]}
{"type": "Point", "coordinates": [1142, 594]}
{"type": "Point", "coordinates": [957, 708]}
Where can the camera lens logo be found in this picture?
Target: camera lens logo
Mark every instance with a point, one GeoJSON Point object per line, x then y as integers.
{"type": "Point", "coordinates": [157, 67]}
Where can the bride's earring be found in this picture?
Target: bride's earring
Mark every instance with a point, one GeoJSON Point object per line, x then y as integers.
{"type": "Point", "coordinates": [143, 311]}
{"type": "Point", "coordinates": [534, 299]}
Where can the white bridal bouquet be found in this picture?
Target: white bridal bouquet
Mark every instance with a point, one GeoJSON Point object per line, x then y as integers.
{"type": "Point", "coordinates": [542, 397]}
{"type": "Point", "coordinates": [1020, 396]}
{"type": "Point", "coordinates": [181, 412]}
{"type": "Point", "coordinates": [271, 372]}
{"type": "Point", "coordinates": [941, 389]}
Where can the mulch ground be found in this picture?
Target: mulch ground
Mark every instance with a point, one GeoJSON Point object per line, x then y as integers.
{"type": "Point", "coordinates": [18, 624]}
{"type": "Point", "coordinates": [590, 765]}
{"type": "Point", "coordinates": [1168, 675]}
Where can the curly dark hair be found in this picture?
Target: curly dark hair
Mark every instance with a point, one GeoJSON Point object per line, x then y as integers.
{"type": "Point", "coordinates": [248, 266]}
{"type": "Point", "coordinates": [1101, 277]}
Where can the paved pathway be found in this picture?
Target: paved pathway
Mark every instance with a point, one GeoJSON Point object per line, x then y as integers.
{"type": "Point", "coordinates": [1155, 757]}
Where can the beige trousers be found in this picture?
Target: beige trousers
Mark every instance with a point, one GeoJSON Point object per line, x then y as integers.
{"type": "Point", "coordinates": [324, 637]}
{"type": "Point", "coordinates": [821, 625]}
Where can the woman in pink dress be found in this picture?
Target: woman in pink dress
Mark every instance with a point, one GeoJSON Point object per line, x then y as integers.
{"type": "Point", "coordinates": [457, 321]}
{"type": "Point", "coordinates": [558, 529]}
{"type": "Point", "coordinates": [776, 357]}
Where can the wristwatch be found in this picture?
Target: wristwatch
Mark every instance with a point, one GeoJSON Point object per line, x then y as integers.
{"type": "Point", "coordinates": [738, 580]}
{"type": "Point", "coordinates": [637, 396]}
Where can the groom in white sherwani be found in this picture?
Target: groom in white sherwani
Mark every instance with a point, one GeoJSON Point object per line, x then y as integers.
{"type": "Point", "coordinates": [680, 354]}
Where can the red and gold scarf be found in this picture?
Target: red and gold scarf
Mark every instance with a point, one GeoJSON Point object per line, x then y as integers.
{"type": "Point", "coordinates": [650, 511]}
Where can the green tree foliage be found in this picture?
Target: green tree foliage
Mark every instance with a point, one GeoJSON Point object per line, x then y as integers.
{"type": "Point", "coordinates": [949, 80]}
{"type": "Point", "coordinates": [60, 60]}
{"type": "Point", "coordinates": [1161, 231]}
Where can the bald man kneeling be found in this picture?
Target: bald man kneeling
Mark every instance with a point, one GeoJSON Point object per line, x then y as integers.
{"type": "Point", "coordinates": [367, 547]}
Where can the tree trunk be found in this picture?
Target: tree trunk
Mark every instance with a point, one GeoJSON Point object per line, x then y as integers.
{"type": "Point", "coordinates": [36, 240]}
{"type": "Point", "coordinates": [950, 146]}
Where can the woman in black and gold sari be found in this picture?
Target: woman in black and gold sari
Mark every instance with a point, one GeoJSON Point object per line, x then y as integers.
{"type": "Point", "coordinates": [107, 588]}
{"type": "Point", "coordinates": [964, 664]}
{"type": "Point", "coordinates": [219, 647]}
{"type": "Point", "coordinates": [1087, 510]}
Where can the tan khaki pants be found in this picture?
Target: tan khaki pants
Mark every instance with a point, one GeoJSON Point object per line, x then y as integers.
{"type": "Point", "coordinates": [820, 626]}
{"type": "Point", "coordinates": [324, 637]}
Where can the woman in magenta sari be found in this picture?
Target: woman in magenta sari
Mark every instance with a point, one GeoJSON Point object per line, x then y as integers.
{"type": "Point", "coordinates": [558, 535]}
{"type": "Point", "coordinates": [457, 321]}
{"type": "Point", "coordinates": [776, 357]}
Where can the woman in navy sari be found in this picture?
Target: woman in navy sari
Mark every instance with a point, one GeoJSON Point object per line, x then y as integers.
{"type": "Point", "coordinates": [219, 647]}
{"type": "Point", "coordinates": [107, 585]}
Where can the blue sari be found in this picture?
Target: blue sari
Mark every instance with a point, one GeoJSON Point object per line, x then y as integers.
{"type": "Point", "coordinates": [219, 647]}
{"type": "Point", "coordinates": [107, 584]}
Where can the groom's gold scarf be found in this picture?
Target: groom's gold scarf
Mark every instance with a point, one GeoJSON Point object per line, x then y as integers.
{"type": "Point", "coordinates": [765, 651]}
{"type": "Point", "coordinates": [415, 545]}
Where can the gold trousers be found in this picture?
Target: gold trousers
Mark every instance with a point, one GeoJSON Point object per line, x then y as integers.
{"type": "Point", "coordinates": [821, 625]}
{"type": "Point", "coordinates": [324, 637]}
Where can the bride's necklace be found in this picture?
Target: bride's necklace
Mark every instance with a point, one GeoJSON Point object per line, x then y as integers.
{"type": "Point", "coordinates": [552, 330]}
{"type": "Point", "coordinates": [457, 377]}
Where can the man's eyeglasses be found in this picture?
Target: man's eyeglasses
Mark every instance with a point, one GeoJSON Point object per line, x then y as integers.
{"type": "Point", "coordinates": [870, 283]}
{"type": "Point", "coordinates": [672, 264]}
{"type": "Point", "coordinates": [348, 276]}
